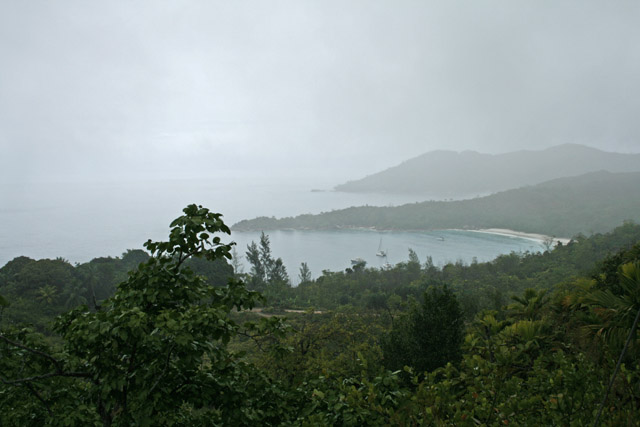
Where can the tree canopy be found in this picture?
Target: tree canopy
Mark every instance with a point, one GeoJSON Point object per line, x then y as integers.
{"type": "Point", "coordinates": [527, 339]}
{"type": "Point", "coordinates": [153, 352]}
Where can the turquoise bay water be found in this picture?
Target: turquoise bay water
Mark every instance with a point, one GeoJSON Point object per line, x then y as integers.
{"type": "Point", "coordinates": [80, 221]}
{"type": "Point", "coordinates": [333, 250]}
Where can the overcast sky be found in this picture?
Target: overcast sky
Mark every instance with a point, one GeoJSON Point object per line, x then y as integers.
{"type": "Point", "coordinates": [119, 89]}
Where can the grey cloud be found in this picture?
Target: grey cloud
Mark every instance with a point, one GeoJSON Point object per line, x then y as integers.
{"type": "Point", "coordinates": [153, 88]}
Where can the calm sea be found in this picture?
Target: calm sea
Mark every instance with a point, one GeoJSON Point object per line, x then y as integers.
{"type": "Point", "coordinates": [83, 220]}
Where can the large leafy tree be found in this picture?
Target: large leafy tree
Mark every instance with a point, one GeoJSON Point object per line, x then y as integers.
{"type": "Point", "coordinates": [154, 353]}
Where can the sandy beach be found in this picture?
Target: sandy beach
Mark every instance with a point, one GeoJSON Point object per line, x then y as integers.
{"type": "Point", "coordinates": [532, 236]}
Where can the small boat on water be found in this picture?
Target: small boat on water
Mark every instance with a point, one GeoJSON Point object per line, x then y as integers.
{"type": "Point", "coordinates": [356, 261]}
{"type": "Point", "coordinates": [381, 253]}
{"type": "Point", "coordinates": [441, 238]}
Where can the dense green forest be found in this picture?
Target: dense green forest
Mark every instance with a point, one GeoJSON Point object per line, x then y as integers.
{"type": "Point", "coordinates": [173, 336]}
{"type": "Point", "coordinates": [591, 203]}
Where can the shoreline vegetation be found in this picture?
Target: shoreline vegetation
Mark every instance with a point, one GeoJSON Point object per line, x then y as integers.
{"type": "Point", "coordinates": [586, 204]}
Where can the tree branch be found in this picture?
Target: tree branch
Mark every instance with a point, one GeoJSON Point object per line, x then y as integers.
{"type": "Point", "coordinates": [32, 350]}
{"type": "Point", "coordinates": [37, 395]}
{"type": "Point", "coordinates": [44, 376]}
{"type": "Point", "coordinates": [254, 338]}
{"type": "Point", "coordinates": [164, 370]}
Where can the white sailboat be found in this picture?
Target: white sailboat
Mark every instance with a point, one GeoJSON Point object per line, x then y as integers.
{"type": "Point", "coordinates": [381, 253]}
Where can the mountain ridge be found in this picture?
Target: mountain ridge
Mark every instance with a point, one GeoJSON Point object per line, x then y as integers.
{"type": "Point", "coordinates": [470, 172]}
{"type": "Point", "coordinates": [590, 203]}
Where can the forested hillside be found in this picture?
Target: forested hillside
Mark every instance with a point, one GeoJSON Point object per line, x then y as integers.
{"type": "Point", "coordinates": [591, 203]}
{"type": "Point", "coordinates": [40, 289]}
{"type": "Point", "coordinates": [527, 339]}
{"type": "Point", "coordinates": [470, 173]}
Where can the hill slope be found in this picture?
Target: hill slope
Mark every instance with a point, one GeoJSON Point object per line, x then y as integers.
{"type": "Point", "coordinates": [470, 173]}
{"type": "Point", "coordinates": [594, 202]}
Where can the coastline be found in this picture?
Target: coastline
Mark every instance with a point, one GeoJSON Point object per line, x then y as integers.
{"type": "Point", "coordinates": [540, 238]}
{"type": "Point", "coordinates": [531, 236]}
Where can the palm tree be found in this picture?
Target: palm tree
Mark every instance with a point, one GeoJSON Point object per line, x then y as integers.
{"type": "Point", "coordinates": [618, 312]}
{"type": "Point", "coordinates": [47, 293]}
{"type": "Point", "coordinates": [615, 313]}
{"type": "Point", "coordinates": [530, 305]}
{"type": "Point", "coordinates": [74, 295]}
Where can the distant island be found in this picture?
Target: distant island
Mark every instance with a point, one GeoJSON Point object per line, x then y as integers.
{"type": "Point", "coordinates": [470, 173]}
{"type": "Point", "coordinates": [591, 203]}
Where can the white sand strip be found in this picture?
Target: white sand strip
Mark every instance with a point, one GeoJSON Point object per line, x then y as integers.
{"type": "Point", "coordinates": [531, 236]}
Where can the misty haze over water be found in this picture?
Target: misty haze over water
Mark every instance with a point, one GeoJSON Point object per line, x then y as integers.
{"type": "Point", "coordinates": [80, 221]}
{"type": "Point", "coordinates": [115, 115]}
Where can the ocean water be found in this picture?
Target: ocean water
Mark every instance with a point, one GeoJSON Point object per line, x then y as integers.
{"type": "Point", "coordinates": [334, 250]}
{"type": "Point", "coordinates": [82, 220]}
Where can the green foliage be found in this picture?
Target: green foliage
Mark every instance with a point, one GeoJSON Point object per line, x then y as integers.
{"type": "Point", "coordinates": [613, 313]}
{"type": "Point", "coordinates": [333, 345]}
{"type": "Point", "coordinates": [258, 273]}
{"type": "Point", "coordinates": [268, 274]}
{"type": "Point", "coordinates": [478, 286]}
{"type": "Point", "coordinates": [47, 294]}
{"type": "Point", "coordinates": [429, 336]}
{"type": "Point", "coordinates": [217, 272]}
{"type": "Point", "coordinates": [74, 295]}
{"type": "Point", "coordinates": [413, 257]}
{"type": "Point", "coordinates": [357, 401]}
{"type": "Point", "coordinates": [42, 289]}
{"type": "Point", "coordinates": [529, 306]}
{"type": "Point", "coordinates": [153, 350]}
{"type": "Point", "coordinates": [36, 289]}
{"type": "Point", "coordinates": [305, 273]}
{"type": "Point", "coordinates": [172, 347]}
{"type": "Point", "coordinates": [564, 207]}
